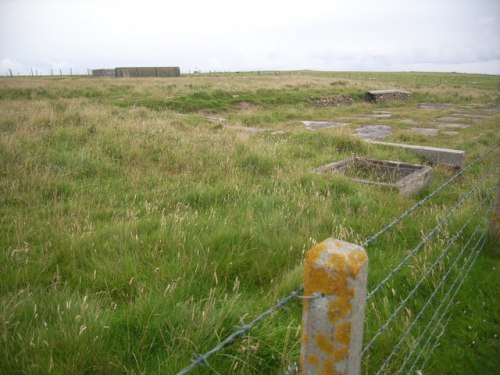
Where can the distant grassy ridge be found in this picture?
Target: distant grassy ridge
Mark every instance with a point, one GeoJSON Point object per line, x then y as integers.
{"type": "Point", "coordinates": [219, 100]}
{"type": "Point", "coordinates": [134, 232]}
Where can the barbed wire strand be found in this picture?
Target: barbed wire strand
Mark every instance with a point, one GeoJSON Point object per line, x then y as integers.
{"type": "Point", "coordinates": [383, 328]}
{"type": "Point", "coordinates": [423, 334]}
{"type": "Point", "coordinates": [434, 230]}
{"type": "Point", "coordinates": [202, 358]}
{"type": "Point", "coordinates": [398, 219]}
{"type": "Point", "coordinates": [431, 298]}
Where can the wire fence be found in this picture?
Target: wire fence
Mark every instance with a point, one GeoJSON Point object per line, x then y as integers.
{"type": "Point", "coordinates": [409, 328]}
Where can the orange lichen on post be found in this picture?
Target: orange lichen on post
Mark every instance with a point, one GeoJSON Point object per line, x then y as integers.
{"type": "Point", "coordinates": [333, 324]}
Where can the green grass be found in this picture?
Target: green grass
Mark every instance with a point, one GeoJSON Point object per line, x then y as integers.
{"type": "Point", "coordinates": [134, 232]}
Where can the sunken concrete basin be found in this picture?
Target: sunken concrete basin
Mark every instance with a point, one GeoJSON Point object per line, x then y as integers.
{"type": "Point", "coordinates": [408, 179]}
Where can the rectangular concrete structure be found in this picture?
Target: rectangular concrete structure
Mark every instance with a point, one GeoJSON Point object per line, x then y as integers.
{"type": "Point", "coordinates": [147, 71]}
{"type": "Point", "coordinates": [434, 155]}
{"type": "Point", "coordinates": [379, 96]}
{"type": "Point", "coordinates": [332, 323]}
{"type": "Point", "coordinates": [103, 73]}
{"type": "Point", "coordinates": [406, 178]}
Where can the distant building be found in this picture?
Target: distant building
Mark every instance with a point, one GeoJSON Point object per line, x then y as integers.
{"type": "Point", "coordinates": [379, 96]}
{"type": "Point", "coordinates": [159, 71]}
{"type": "Point", "coordinates": [172, 71]}
{"type": "Point", "coordinates": [103, 73]}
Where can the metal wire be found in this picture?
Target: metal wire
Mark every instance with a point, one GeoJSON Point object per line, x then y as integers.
{"type": "Point", "coordinates": [398, 219]}
{"type": "Point", "coordinates": [427, 304]}
{"type": "Point", "coordinates": [472, 260]}
{"type": "Point", "coordinates": [419, 283]}
{"type": "Point", "coordinates": [202, 358]}
{"type": "Point", "coordinates": [429, 235]}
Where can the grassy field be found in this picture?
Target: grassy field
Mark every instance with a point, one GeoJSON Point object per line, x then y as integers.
{"type": "Point", "coordinates": [141, 220]}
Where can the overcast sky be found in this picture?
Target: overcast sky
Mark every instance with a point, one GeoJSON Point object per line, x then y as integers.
{"type": "Point", "coordinates": [222, 35]}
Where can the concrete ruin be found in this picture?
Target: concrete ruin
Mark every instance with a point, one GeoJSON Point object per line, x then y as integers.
{"type": "Point", "coordinates": [408, 179]}
{"type": "Point", "coordinates": [379, 96]}
{"type": "Point", "coordinates": [103, 73]}
{"type": "Point", "coordinates": [158, 71]}
{"type": "Point", "coordinates": [434, 155]}
{"type": "Point", "coordinates": [172, 71]}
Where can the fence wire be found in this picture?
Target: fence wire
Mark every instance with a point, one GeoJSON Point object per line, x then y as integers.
{"type": "Point", "coordinates": [202, 359]}
{"type": "Point", "coordinates": [406, 334]}
{"type": "Point", "coordinates": [393, 316]}
{"type": "Point", "coordinates": [471, 262]}
{"type": "Point", "coordinates": [398, 219]}
{"type": "Point", "coordinates": [434, 230]}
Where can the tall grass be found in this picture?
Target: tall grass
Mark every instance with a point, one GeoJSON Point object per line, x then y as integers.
{"type": "Point", "coordinates": [134, 232]}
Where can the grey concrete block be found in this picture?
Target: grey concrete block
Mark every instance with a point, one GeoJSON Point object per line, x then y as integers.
{"type": "Point", "coordinates": [434, 155]}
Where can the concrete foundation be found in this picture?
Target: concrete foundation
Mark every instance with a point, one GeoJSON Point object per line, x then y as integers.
{"type": "Point", "coordinates": [332, 325]}
{"type": "Point", "coordinates": [408, 179]}
{"type": "Point", "coordinates": [434, 155]}
{"type": "Point", "coordinates": [147, 72]}
{"type": "Point", "coordinates": [103, 73]}
{"type": "Point", "coordinates": [379, 96]}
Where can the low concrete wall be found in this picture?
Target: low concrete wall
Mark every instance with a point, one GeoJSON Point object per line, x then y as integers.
{"type": "Point", "coordinates": [379, 96]}
{"type": "Point", "coordinates": [148, 71]}
{"type": "Point", "coordinates": [103, 73]}
{"type": "Point", "coordinates": [434, 155]}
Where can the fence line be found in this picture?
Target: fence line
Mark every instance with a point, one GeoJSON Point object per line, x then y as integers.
{"type": "Point", "coordinates": [203, 358]}
{"type": "Point", "coordinates": [471, 260]}
{"type": "Point", "coordinates": [427, 304]}
{"type": "Point", "coordinates": [429, 235]}
{"type": "Point", "coordinates": [420, 282]}
{"type": "Point", "coordinates": [398, 219]}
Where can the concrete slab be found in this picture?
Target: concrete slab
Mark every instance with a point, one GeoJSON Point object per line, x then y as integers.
{"type": "Point", "coordinates": [408, 179]}
{"type": "Point", "coordinates": [449, 133]}
{"type": "Point", "coordinates": [451, 118]}
{"type": "Point", "coordinates": [472, 116]}
{"type": "Point", "coordinates": [434, 106]}
{"type": "Point", "coordinates": [425, 131]}
{"type": "Point", "coordinates": [315, 125]}
{"type": "Point", "coordinates": [449, 125]}
{"type": "Point", "coordinates": [434, 155]}
{"type": "Point", "coordinates": [374, 131]}
{"type": "Point", "coordinates": [408, 121]}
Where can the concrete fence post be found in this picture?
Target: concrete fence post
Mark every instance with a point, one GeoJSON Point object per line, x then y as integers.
{"type": "Point", "coordinates": [495, 217]}
{"type": "Point", "coordinates": [332, 325]}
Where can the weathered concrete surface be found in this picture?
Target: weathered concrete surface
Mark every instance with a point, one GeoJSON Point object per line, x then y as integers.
{"type": "Point", "coordinates": [103, 73]}
{"type": "Point", "coordinates": [315, 125]}
{"type": "Point", "coordinates": [434, 106]}
{"type": "Point", "coordinates": [434, 155]}
{"type": "Point", "coordinates": [451, 118]}
{"type": "Point", "coordinates": [425, 131]}
{"type": "Point", "coordinates": [332, 326]}
{"type": "Point", "coordinates": [378, 96]}
{"type": "Point", "coordinates": [408, 179]}
{"type": "Point", "coordinates": [164, 71]}
{"type": "Point", "coordinates": [472, 116]}
{"type": "Point", "coordinates": [374, 131]}
{"type": "Point", "coordinates": [449, 125]}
